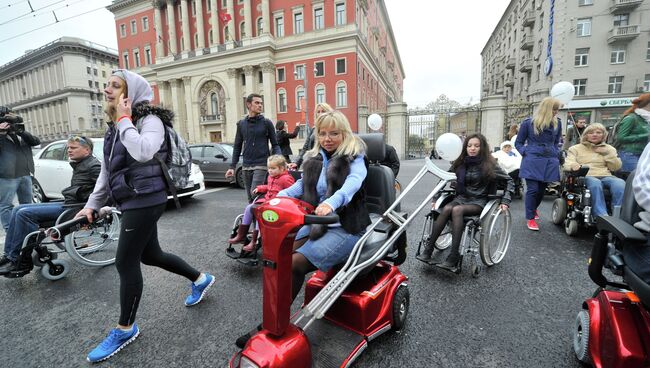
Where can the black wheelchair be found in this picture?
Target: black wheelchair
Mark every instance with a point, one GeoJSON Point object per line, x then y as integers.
{"type": "Point", "coordinates": [485, 239]}
{"type": "Point", "coordinates": [92, 245]}
{"type": "Point", "coordinates": [573, 206]}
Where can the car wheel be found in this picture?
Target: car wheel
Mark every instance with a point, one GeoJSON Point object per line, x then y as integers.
{"type": "Point", "coordinates": [239, 178]}
{"type": "Point", "coordinates": [37, 192]}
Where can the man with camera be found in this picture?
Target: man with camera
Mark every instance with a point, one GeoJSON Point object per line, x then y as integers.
{"type": "Point", "coordinates": [16, 163]}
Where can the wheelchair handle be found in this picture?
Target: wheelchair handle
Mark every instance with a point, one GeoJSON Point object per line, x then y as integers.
{"type": "Point", "coordinates": [61, 230]}
{"type": "Point", "coordinates": [321, 220]}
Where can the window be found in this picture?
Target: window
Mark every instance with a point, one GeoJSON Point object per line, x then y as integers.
{"type": "Point", "coordinates": [125, 60]}
{"type": "Point", "coordinates": [279, 26]}
{"type": "Point", "coordinates": [319, 68]}
{"type": "Point", "coordinates": [617, 56]}
{"type": "Point", "coordinates": [320, 93]}
{"type": "Point", "coordinates": [226, 34]}
{"type": "Point", "coordinates": [340, 14]}
{"type": "Point", "coordinates": [55, 152]}
{"type": "Point", "coordinates": [298, 26]}
{"type": "Point", "coordinates": [615, 85]}
{"type": "Point", "coordinates": [281, 75]}
{"type": "Point", "coordinates": [145, 24]}
{"type": "Point", "coordinates": [90, 84]}
{"type": "Point", "coordinates": [147, 55]}
{"type": "Point", "coordinates": [134, 27]}
{"type": "Point", "coordinates": [196, 40]}
{"type": "Point", "coordinates": [341, 95]}
{"type": "Point", "coordinates": [584, 27]}
{"type": "Point", "coordinates": [621, 20]}
{"type": "Point", "coordinates": [194, 7]}
{"type": "Point", "coordinates": [214, 104]}
{"type": "Point", "coordinates": [282, 101]}
{"type": "Point", "coordinates": [196, 151]}
{"type": "Point", "coordinates": [647, 54]}
{"type": "Point", "coordinates": [208, 5]}
{"type": "Point", "coordinates": [242, 30]}
{"type": "Point", "coordinates": [260, 77]}
{"type": "Point", "coordinates": [122, 30]}
{"type": "Point", "coordinates": [95, 71]}
{"type": "Point", "coordinates": [582, 56]}
{"type": "Point", "coordinates": [300, 97]}
{"type": "Point", "coordinates": [224, 3]}
{"type": "Point", "coordinates": [646, 83]}
{"type": "Point", "coordinates": [210, 37]}
{"type": "Point", "coordinates": [340, 66]}
{"type": "Point", "coordinates": [103, 73]}
{"type": "Point", "coordinates": [260, 26]}
{"type": "Point", "coordinates": [87, 70]}
{"type": "Point", "coordinates": [585, 2]}
{"type": "Point", "coordinates": [243, 79]}
{"type": "Point", "coordinates": [299, 72]}
{"type": "Point", "coordinates": [580, 86]}
{"type": "Point", "coordinates": [319, 23]}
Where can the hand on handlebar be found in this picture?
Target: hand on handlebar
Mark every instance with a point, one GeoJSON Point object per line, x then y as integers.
{"type": "Point", "coordinates": [89, 213]}
{"type": "Point", "coordinates": [323, 209]}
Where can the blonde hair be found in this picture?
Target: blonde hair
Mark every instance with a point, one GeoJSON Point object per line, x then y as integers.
{"type": "Point", "coordinates": [323, 105]}
{"type": "Point", "coordinates": [351, 145]}
{"type": "Point", "coordinates": [277, 160]}
{"type": "Point", "coordinates": [544, 117]}
{"type": "Point", "coordinates": [594, 126]}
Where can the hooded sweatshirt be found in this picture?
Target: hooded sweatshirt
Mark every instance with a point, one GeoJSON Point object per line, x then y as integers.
{"type": "Point", "coordinates": [124, 147]}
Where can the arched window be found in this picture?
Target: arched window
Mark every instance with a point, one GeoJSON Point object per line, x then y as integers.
{"type": "Point", "coordinates": [341, 94]}
{"type": "Point", "coordinates": [300, 97]}
{"type": "Point", "coordinates": [214, 104]}
{"type": "Point", "coordinates": [282, 100]}
{"type": "Point", "coordinates": [242, 30]}
{"type": "Point", "coordinates": [320, 93]}
{"type": "Point", "coordinates": [260, 26]}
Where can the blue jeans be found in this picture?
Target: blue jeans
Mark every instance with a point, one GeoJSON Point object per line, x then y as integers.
{"type": "Point", "coordinates": [26, 218]}
{"type": "Point", "coordinates": [9, 188]}
{"type": "Point", "coordinates": [629, 160]}
{"type": "Point", "coordinates": [534, 195]}
{"type": "Point", "coordinates": [637, 258]}
{"type": "Point", "coordinates": [595, 185]}
{"type": "Point", "coordinates": [331, 249]}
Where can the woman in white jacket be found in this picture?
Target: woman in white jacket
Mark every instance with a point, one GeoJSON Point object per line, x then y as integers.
{"type": "Point", "coordinates": [510, 160]}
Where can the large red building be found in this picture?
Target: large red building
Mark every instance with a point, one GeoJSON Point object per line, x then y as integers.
{"type": "Point", "coordinates": [203, 57]}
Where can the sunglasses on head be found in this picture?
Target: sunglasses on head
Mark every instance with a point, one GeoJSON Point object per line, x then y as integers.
{"type": "Point", "coordinates": [78, 138]}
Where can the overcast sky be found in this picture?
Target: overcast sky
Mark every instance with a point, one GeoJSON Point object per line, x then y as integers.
{"type": "Point", "coordinates": [439, 41]}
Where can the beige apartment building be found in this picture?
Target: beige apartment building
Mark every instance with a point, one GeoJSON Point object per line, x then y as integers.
{"type": "Point", "coordinates": [601, 46]}
{"type": "Point", "coordinates": [58, 88]}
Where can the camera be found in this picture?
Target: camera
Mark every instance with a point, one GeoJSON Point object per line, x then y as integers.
{"type": "Point", "coordinates": [15, 122]}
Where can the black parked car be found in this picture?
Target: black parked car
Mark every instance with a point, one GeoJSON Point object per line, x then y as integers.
{"type": "Point", "coordinates": [214, 160]}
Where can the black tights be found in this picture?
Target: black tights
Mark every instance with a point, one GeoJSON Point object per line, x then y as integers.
{"type": "Point", "coordinates": [139, 243]}
{"type": "Point", "coordinates": [300, 267]}
{"type": "Point", "coordinates": [455, 212]}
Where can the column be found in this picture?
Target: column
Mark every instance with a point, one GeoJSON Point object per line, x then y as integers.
{"type": "Point", "coordinates": [234, 108]}
{"type": "Point", "coordinates": [248, 72]}
{"type": "Point", "coordinates": [191, 123]}
{"type": "Point", "coordinates": [50, 74]}
{"type": "Point", "coordinates": [199, 26]}
{"type": "Point", "coordinates": [396, 123]}
{"type": "Point", "coordinates": [214, 19]}
{"type": "Point", "coordinates": [171, 26]}
{"type": "Point", "coordinates": [164, 92]}
{"type": "Point", "coordinates": [247, 19]}
{"type": "Point", "coordinates": [268, 77]}
{"type": "Point", "coordinates": [185, 19]}
{"type": "Point", "coordinates": [177, 106]}
{"type": "Point", "coordinates": [160, 48]}
{"type": "Point", "coordinates": [266, 17]}
{"type": "Point", "coordinates": [362, 123]}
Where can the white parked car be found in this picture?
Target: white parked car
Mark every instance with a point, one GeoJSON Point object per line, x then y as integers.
{"type": "Point", "coordinates": [53, 172]}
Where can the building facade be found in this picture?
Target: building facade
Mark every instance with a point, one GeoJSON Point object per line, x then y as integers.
{"type": "Point", "coordinates": [203, 57]}
{"type": "Point", "coordinates": [601, 46]}
{"type": "Point", "coordinates": [58, 88]}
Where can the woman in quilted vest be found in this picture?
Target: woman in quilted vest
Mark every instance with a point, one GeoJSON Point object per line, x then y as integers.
{"type": "Point", "coordinates": [132, 179]}
{"type": "Point", "coordinates": [602, 161]}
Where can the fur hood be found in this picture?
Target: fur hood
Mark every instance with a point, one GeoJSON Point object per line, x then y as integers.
{"type": "Point", "coordinates": [143, 109]}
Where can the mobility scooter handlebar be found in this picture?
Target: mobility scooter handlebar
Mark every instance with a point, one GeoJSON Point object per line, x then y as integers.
{"type": "Point", "coordinates": [61, 230]}
{"type": "Point", "coordinates": [321, 220]}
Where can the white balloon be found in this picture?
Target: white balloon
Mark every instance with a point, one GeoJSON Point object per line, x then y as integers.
{"type": "Point", "coordinates": [374, 121]}
{"type": "Point", "coordinates": [563, 91]}
{"type": "Point", "coordinates": [449, 146]}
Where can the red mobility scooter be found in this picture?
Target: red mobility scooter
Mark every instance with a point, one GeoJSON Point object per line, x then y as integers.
{"type": "Point", "coordinates": [359, 301]}
{"type": "Point", "coordinates": [613, 328]}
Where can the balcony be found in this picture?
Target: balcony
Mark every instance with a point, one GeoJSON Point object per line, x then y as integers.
{"type": "Point", "coordinates": [526, 65]}
{"type": "Point", "coordinates": [621, 5]}
{"type": "Point", "coordinates": [529, 18]}
{"type": "Point", "coordinates": [509, 81]}
{"type": "Point", "coordinates": [211, 119]}
{"type": "Point", "coordinates": [526, 42]}
{"type": "Point", "coordinates": [624, 33]}
{"type": "Point", "coordinates": [510, 63]}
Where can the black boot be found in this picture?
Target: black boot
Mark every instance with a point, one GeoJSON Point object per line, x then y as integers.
{"type": "Point", "coordinates": [7, 265]}
{"type": "Point", "coordinates": [425, 256]}
{"type": "Point", "coordinates": [452, 262]}
{"type": "Point", "coordinates": [243, 339]}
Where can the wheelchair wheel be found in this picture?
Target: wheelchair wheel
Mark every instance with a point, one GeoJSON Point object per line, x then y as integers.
{"type": "Point", "coordinates": [495, 236]}
{"type": "Point", "coordinates": [558, 213]}
{"type": "Point", "coordinates": [571, 227]}
{"type": "Point", "coordinates": [581, 337]}
{"type": "Point", "coordinates": [444, 240]}
{"type": "Point", "coordinates": [95, 245]}
{"type": "Point", "coordinates": [58, 270]}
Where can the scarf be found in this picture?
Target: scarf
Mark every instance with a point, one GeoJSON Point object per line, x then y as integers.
{"type": "Point", "coordinates": [645, 114]}
{"type": "Point", "coordinates": [460, 172]}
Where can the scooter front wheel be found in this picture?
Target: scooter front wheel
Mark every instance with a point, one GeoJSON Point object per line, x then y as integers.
{"type": "Point", "coordinates": [401, 301]}
{"type": "Point", "coordinates": [581, 337]}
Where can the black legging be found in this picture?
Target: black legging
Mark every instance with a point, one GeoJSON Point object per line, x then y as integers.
{"type": "Point", "coordinates": [300, 267]}
{"type": "Point", "coordinates": [456, 212]}
{"type": "Point", "coordinates": [139, 242]}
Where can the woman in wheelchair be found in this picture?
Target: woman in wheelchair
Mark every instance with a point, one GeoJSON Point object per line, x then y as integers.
{"type": "Point", "coordinates": [476, 171]}
{"type": "Point", "coordinates": [602, 161]}
{"type": "Point", "coordinates": [332, 181]}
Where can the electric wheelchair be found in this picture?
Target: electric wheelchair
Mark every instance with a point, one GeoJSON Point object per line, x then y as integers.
{"type": "Point", "coordinates": [573, 206]}
{"type": "Point", "coordinates": [613, 327]}
{"type": "Point", "coordinates": [92, 245]}
{"type": "Point", "coordinates": [485, 239]}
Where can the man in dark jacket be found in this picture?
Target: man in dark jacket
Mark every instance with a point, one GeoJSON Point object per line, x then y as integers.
{"type": "Point", "coordinates": [26, 218]}
{"type": "Point", "coordinates": [255, 132]}
{"type": "Point", "coordinates": [391, 159]}
{"type": "Point", "coordinates": [16, 167]}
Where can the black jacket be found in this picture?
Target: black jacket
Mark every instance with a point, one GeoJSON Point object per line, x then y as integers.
{"type": "Point", "coordinates": [283, 140]}
{"type": "Point", "coordinates": [309, 144]}
{"type": "Point", "coordinates": [478, 187]}
{"type": "Point", "coordinates": [391, 159]}
{"type": "Point", "coordinates": [84, 177]}
{"type": "Point", "coordinates": [9, 150]}
{"type": "Point", "coordinates": [255, 134]}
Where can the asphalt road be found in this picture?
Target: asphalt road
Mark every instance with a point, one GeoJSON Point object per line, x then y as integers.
{"type": "Point", "coordinates": [517, 314]}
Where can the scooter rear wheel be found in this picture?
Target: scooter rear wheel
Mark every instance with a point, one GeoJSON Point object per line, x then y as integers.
{"type": "Point", "coordinates": [401, 301]}
{"type": "Point", "coordinates": [581, 337]}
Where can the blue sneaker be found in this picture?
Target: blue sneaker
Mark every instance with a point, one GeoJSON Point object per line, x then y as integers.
{"type": "Point", "coordinates": [114, 342]}
{"type": "Point", "coordinates": [199, 291]}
